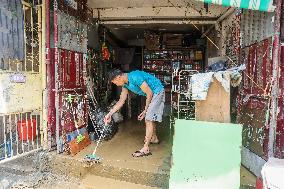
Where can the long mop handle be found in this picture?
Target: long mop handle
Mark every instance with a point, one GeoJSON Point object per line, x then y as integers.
{"type": "Point", "coordinates": [95, 103]}
{"type": "Point", "coordinates": [98, 142]}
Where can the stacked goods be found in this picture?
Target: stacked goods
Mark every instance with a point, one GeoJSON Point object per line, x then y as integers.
{"type": "Point", "coordinates": [172, 40]}
{"type": "Point", "coordinates": [152, 41]}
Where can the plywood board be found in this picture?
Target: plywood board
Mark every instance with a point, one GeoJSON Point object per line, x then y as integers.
{"type": "Point", "coordinates": [206, 155]}
{"type": "Point", "coordinates": [216, 107]}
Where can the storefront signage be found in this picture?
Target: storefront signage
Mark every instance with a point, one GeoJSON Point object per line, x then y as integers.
{"type": "Point", "coordinates": [18, 78]}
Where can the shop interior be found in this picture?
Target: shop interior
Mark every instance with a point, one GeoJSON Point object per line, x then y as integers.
{"type": "Point", "coordinates": [160, 49]}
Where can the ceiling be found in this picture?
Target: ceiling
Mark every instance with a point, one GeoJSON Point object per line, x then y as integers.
{"type": "Point", "coordinates": [141, 3]}
{"type": "Point", "coordinates": [129, 19]}
{"type": "Point", "coordinates": [130, 32]}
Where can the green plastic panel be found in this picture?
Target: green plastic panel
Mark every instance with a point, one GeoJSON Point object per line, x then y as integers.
{"type": "Point", "coordinates": [206, 155]}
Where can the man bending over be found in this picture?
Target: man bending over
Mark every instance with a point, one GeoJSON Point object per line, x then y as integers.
{"type": "Point", "coordinates": [144, 84]}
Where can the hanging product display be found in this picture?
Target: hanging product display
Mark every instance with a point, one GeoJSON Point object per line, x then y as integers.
{"type": "Point", "coordinates": [97, 69]}
{"type": "Point", "coordinates": [105, 52]}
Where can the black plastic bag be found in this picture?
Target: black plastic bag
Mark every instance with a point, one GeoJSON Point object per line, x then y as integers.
{"type": "Point", "coordinates": [96, 123]}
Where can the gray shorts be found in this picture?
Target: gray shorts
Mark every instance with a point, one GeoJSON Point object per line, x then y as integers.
{"type": "Point", "coordinates": [156, 108]}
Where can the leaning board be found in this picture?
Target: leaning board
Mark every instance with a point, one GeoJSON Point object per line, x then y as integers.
{"type": "Point", "coordinates": [206, 155]}
{"type": "Point", "coordinates": [216, 107]}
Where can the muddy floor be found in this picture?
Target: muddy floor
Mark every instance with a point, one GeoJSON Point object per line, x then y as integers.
{"type": "Point", "coordinates": [28, 172]}
{"type": "Point", "coordinates": [37, 170]}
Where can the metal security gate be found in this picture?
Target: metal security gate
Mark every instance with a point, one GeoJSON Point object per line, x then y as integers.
{"type": "Point", "coordinates": [67, 69]}
{"type": "Point", "coordinates": [20, 134]}
{"type": "Point", "coordinates": [20, 78]}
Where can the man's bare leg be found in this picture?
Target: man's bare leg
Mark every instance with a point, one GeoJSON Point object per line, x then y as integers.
{"type": "Point", "coordinates": [154, 138]}
{"type": "Point", "coordinates": [149, 133]}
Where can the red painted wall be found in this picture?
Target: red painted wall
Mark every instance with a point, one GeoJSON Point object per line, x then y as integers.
{"type": "Point", "coordinates": [257, 77]}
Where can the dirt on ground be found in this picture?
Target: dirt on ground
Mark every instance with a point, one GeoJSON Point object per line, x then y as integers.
{"type": "Point", "coordinates": [31, 172]}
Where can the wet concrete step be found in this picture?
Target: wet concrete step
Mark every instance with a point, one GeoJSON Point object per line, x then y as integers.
{"type": "Point", "coordinates": [66, 165]}
{"type": "Point", "coordinates": [92, 181]}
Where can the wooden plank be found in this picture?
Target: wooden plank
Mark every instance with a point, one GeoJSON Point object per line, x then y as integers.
{"type": "Point", "coordinates": [213, 109]}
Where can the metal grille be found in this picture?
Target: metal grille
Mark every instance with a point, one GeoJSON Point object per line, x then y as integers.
{"type": "Point", "coordinates": [255, 27]}
{"type": "Point", "coordinates": [20, 35]}
{"type": "Point", "coordinates": [20, 51]}
{"type": "Point", "coordinates": [31, 13]}
{"type": "Point", "coordinates": [19, 134]}
{"type": "Point", "coordinates": [11, 34]}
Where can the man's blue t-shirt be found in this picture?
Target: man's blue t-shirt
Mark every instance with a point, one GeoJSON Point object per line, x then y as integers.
{"type": "Point", "coordinates": [136, 78]}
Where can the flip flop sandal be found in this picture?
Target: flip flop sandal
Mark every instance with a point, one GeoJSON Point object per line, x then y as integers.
{"type": "Point", "coordinates": [141, 154]}
{"type": "Point", "coordinates": [153, 142]}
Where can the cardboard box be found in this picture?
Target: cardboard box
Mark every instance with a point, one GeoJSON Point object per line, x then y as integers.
{"type": "Point", "coordinates": [152, 41]}
{"type": "Point", "coordinates": [172, 39]}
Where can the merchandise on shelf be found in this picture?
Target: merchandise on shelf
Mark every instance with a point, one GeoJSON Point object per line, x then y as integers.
{"type": "Point", "coordinates": [163, 63]}
{"type": "Point", "coordinates": [152, 40]}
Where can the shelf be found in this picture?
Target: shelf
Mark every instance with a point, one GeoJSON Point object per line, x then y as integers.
{"type": "Point", "coordinates": [169, 59]}
{"type": "Point", "coordinates": [176, 49]}
{"type": "Point", "coordinates": [182, 109]}
{"type": "Point", "coordinates": [159, 72]}
{"type": "Point", "coordinates": [183, 93]}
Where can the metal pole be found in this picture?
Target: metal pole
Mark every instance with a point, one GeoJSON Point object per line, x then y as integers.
{"type": "Point", "coordinates": [179, 92]}
{"type": "Point", "coordinates": [32, 33]}
{"type": "Point", "coordinates": [27, 129]}
{"type": "Point", "coordinates": [47, 136]}
{"type": "Point", "coordinates": [275, 74]}
{"type": "Point", "coordinates": [42, 42]}
{"type": "Point", "coordinates": [37, 127]}
{"type": "Point", "coordinates": [32, 129]}
{"type": "Point", "coordinates": [22, 133]}
{"type": "Point", "coordinates": [5, 142]}
{"type": "Point", "coordinates": [56, 64]}
{"type": "Point", "coordinates": [11, 135]}
{"type": "Point", "coordinates": [17, 133]}
{"type": "Point", "coordinates": [25, 40]}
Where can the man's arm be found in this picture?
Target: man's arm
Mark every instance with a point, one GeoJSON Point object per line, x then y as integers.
{"type": "Point", "coordinates": [122, 99]}
{"type": "Point", "coordinates": [117, 106]}
{"type": "Point", "coordinates": [149, 94]}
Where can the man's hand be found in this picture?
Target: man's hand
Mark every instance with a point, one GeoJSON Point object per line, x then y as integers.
{"type": "Point", "coordinates": [149, 95]}
{"type": "Point", "coordinates": [107, 118]}
{"type": "Point", "coordinates": [142, 115]}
